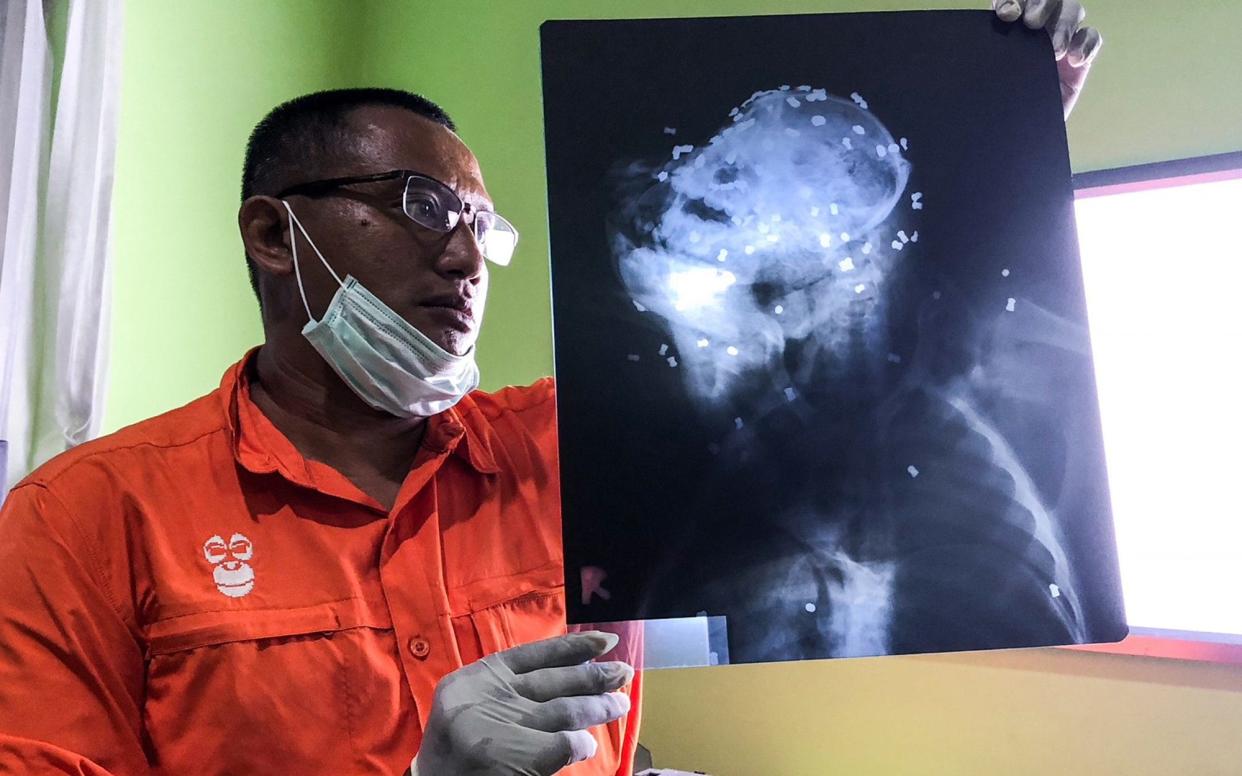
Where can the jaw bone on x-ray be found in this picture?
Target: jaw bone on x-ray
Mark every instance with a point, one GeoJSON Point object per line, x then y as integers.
{"type": "Point", "coordinates": [869, 425]}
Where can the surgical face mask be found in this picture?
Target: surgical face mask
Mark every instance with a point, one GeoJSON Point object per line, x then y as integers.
{"type": "Point", "coordinates": [387, 361]}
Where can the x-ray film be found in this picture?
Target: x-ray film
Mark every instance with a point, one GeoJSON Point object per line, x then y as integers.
{"type": "Point", "coordinates": [824, 375]}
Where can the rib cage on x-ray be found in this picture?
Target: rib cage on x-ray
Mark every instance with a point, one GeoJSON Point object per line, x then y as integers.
{"type": "Point", "coordinates": [896, 514]}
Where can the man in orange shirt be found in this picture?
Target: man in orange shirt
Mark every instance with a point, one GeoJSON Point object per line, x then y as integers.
{"type": "Point", "coordinates": [277, 576]}
{"type": "Point", "coordinates": [328, 564]}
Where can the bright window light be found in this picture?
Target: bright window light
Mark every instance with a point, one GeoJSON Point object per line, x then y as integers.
{"type": "Point", "coordinates": [1163, 273]}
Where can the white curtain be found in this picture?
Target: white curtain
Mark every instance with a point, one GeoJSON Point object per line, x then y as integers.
{"type": "Point", "coordinates": [56, 172]}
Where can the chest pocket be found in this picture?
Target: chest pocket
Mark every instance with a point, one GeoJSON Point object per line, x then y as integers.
{"type": "Point", "coordinates": [252, 691]}
{"type": "Point", "coordinates": [532, 616]}
{"type": "Point", "coordinates": [494, 614]}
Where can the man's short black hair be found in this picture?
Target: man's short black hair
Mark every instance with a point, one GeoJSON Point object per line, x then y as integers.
{"type": "Point", "coordinates": [296, 137]}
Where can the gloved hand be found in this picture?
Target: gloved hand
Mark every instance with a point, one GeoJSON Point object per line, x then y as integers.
{"type": "Point", "coordinates": [1075, 46]}
{"type": "Point", "coordinates": [525, 710]}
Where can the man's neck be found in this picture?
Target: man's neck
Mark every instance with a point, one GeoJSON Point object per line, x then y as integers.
{"type": "Point", "coordinates": [327, 422]}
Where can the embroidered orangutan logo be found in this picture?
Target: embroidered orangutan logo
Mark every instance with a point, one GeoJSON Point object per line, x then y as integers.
{"type": "Point", "coordinates": [234, 577]}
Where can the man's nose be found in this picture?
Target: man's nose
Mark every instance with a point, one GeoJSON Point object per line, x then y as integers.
{"type": "Point", "coordinates": [462, 257]}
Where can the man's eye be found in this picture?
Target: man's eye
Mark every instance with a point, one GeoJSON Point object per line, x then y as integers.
{"type": "Point", "coordinates": [424, 207]}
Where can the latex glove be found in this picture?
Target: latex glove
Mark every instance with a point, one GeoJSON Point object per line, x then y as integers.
{"type": "Point", "coordinates": [525, 710]}
{"type": "Point", "coordinates": [1076, 46]}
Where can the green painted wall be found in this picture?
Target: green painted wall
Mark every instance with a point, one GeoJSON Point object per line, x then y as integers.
{"type": "Point", "coordinates": [199, 73]}
{"type": "Point", "coordinates": [197, 76]}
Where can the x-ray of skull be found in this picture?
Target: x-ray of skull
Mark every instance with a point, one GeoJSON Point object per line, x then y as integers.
{"type": "Point", "coordinates": [821, 347]}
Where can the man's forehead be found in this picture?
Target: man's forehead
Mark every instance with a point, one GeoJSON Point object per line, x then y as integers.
{"type": "Point", "coordinates": [386, 138]}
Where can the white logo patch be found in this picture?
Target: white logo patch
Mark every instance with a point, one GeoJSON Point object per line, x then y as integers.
{"type": "Point", "coordinates": [233, 575]}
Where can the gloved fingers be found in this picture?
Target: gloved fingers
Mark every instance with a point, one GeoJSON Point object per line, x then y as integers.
{"type": "Point", "coordinates": [578, 713]}
{"type": "Point", "coordinates": [1084, 47]}
{"type": "Point", "coordinates": [588, 679]}
{"type": "Point", "coordinates": [1063, 24]}
{"type": "Point", "coordinates": [1038, 12]}
{"type": "Point", "coordinates": [1008, 10]}
{"type": "Point", "coordinates": [571, 650]}
{"type": "Point", "coordinates": [558, 750]}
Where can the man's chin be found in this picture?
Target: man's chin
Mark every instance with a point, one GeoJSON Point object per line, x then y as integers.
{"type": "Point", "coordinates": [456, 342]}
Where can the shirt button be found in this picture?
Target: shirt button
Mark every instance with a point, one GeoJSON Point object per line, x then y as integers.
{"type": "Point", "coordinates": [419, 648]}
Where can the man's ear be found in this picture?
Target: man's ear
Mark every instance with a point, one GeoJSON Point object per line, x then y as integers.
{"type": "Point", "coordinates": [264, 225]}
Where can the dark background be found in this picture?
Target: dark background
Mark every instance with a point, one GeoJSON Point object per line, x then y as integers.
{"type": "Point", "coordinates": [980, 103]}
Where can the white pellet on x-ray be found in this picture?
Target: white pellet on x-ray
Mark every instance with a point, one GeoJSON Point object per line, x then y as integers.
{"type": "Point", "coordinates": [832, 208]}
{"type": "Point", "coordinates": [639, 306]}
{"type": "Point", "coordinates": [866, 248]}
{"type": "Point", "coordinates": [849, 145]}
{"type": "Point", "coordinates": [663, 176]}
{"type": "Point", "coordinates": [846, 264]}
{"type": "Point", "coordinates": [905, 144]}
{"type": "Point", "coordinates": [1005, 272]}
{"type": "Point", "coordinates": [664, 349]}
{"type": "Point", "coordinates": [893, 148]}
{"type": "Point", "coordinates": [737, 422]}
{"type": "Point", "coordinates": [818, 121]}
{"type": "Point", "coordinates": [810, 607]}
{"type": "Point", "coordinates": [858, 130]}
{"type": "Point", "coordinates": [673, 131]}
{"type": "Point", "coordinates": [845, 237]}
{"type": "Point", "coordinates": [792, 132]}
{"type": "Point", "coordinates": [1010, 304]}
{"type": "Point", "coordinates": [672, 360]}
{"type": "Point", "coordinates": [898, 245]}
{"type": "Point", "coordinates": [901, 235]}
{"type": "Point", "coordinates": [749, 249]}
{"type": "Point", "coordinates": [912, 470]}
{"type": "Point", "coordinates": [791, 394]}
{"type": "Point", "coordinates": [814, 212]}
{"type": "Point", "coordinates": [915, 236]}
{"type": "Point", "coordinates": [703, 342]}
{"type": "Point", "coordinates": [881, 151]}
{"type": "Point", "coordinates": [825, 240]}
{"type": "Point", "coordinates": [681, 149]}
{"type": "Point", "coordinates": [779, 309]}
{"type": "Point", "coordinates": [894, 358]}
{"type": "Point", "coordinates": [632, 357]}
{"type": "Point", "coordinates": [858, 289]}
{"type": "Point", "coordinates": [1054, 589]}
{"type": "Point", "coordinates": [793, 101]}
{"type": "Point", "coordinates": [724, 254]}
{"type": "Point", "coordinates": [732, 351]}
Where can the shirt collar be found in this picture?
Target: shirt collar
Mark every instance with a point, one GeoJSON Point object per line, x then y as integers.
{"type": "Point", "coordinates": [260, 447]}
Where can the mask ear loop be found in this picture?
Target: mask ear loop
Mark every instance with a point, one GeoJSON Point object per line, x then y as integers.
{"type": "Point", "coordinates": [293, 241]}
